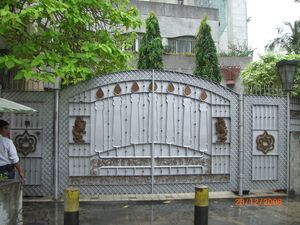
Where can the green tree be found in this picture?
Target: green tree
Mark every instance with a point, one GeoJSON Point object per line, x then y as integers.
{"type": "Point", "coordinates": [71, 39]}
{"type": "Point", "coordinates": [207, 64]}
{"type": "Point", "coordinates": [264, 73]}
{"type": "Point", "coordinates": [151, 49]}
{"type": "Point", "coordinates": [290, 41]}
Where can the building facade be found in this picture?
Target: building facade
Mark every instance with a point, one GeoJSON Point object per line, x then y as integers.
{"type": "Point", "coordinates": [180, 19]}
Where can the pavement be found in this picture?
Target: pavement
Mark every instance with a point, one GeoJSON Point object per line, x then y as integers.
{"type": "Point", "coordinates": [160, 197]}
{"type": "Point", "coordinates": [225, 208]}
{"type": "Point", "coordinates": [169, 212]}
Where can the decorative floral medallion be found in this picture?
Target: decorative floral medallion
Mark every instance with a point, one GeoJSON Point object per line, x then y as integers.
{"type": "Point", "coordinates": [221, 130]}
{"type": "Point", "coordinates": [25, 143]}
{"type": "Point", "coordinates": [79, 130]}
{"type": "Point", "coordinates": [265, 142]}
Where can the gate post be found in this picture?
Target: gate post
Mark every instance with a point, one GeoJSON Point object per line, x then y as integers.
{"type": "Point", "coordinates": [241, 144]}
{"type": "Point", "coordinates": [152, 133]}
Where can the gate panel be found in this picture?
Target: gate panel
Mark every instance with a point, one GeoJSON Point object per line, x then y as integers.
{"type": "Point", "coordinates": [33, 138]}
{"type": "Point", "coordinates": [108, 130]}
{"type": "Point", "coordinates": [265, 148]}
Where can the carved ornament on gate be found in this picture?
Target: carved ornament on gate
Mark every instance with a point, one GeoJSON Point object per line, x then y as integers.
{"type": "Point", "coordinates": [99, 93]}
{"type": "Point", "coordinates": [26, 143]}
{"type": "Point", "coordinates": [79, 130]}
{"type": "Point", "coordinates": [151, 86]}
{"type": "Point", "coordinates": [187, 90]}
{"type": "Point", "coordinates": [117, 89]}
{"type": "Point", "coordinates": [135, 87]}
{"type": "Point", "coordinates": [265, 142]}
{"type": "Point", "coordinates": [170, 88]}
{"type": "Point", "coordinates": [221, 130]}
{"type": "Point", "coordinates": [203, 95]}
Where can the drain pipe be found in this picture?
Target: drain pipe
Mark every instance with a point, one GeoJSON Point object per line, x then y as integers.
{"type": "Point", "coordinates": [241, 144]}
{"type": "Point", "coordinates": [56, 136]}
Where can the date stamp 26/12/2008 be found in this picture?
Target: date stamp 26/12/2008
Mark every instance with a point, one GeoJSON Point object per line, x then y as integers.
{"type": "Point", "coordinates": [270, 201]}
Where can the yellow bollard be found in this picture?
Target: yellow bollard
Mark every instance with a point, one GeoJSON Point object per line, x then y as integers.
{"type": "Point", "coordinates": [71, 206]}
{"type": "Point", "coordinates": [201, 205]}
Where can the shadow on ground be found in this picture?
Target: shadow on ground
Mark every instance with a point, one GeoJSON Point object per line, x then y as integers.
{"type": "Point", "coordinates": [221, 212]}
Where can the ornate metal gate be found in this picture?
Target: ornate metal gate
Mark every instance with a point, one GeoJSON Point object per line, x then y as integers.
{"type": "Point", "coordinates": [151, 132]}
{"type": "Point", "coordinates": [148, 131]}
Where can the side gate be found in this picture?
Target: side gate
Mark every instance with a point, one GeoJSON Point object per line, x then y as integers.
{"type": "Point", "coordinates": [32, 135]}
{"type": "Point", "coordinates": [148, 132]}
{"type": "Point", "coordinates": [265, 143]}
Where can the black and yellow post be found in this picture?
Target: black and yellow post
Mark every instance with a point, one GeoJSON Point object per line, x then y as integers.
{"type": "Point", "coordinates": [71, 206]}
{"type": "Point", "coordinates": [201, 205]}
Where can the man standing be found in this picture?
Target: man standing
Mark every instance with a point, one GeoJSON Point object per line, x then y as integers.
{"type": "Point", "coordinates": [9, 159]}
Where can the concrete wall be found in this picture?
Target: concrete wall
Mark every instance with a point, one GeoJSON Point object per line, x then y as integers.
{"type": "Point", "coordinates": [179, 20]}
{"type": "Point", "coordinates": [10, 203]}
{"type": "Point", "coordinates": [295, 162]}
{"type": "Point", "coordinates": [236, 31]}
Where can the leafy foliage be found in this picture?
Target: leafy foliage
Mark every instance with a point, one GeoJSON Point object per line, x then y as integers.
{"type": "Point", "coordinates": [264, 73]}
{"type": "Point", "coordinates": [151, 49]}
{"type": "Point", "coordinates": [290, 41]}
{"type": "Point", "coordinates": [207, 64]}
{"type": "Point", "coordinates": [3, 177]}
{"type": "Point", "coordinates": [71, 39]}
{"type": "Point", "coordinates": [238, 50]}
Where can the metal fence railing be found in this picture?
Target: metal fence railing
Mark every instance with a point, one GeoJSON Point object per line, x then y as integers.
{"type": "Point", "coordinates": [264, 90]}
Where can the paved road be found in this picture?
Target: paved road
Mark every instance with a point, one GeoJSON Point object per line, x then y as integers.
{"type": "Point", "coordinates": [221, 212]}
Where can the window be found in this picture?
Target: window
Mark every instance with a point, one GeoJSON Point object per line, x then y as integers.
{"type": "Point", "coordinates": [137, 42]}
{"type": "Point", "coordinates": [181, 45]}
{"type": "Point", "coordinates": [180, 2]}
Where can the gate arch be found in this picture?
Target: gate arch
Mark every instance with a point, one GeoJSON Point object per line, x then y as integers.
{"type": "Point", "coordinates": [148, 131]}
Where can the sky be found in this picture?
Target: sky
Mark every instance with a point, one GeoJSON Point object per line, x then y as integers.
{"type": "Point", "coordinates": [266, 16]}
